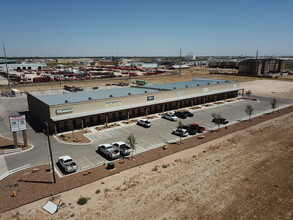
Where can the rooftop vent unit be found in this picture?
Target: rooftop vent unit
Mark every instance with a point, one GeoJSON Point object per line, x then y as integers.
{"type": "Point", "coordinates": [129, 93]}
{"type": "Point", "coordinates": [197, 84]}
{"type": "Point", "coordinates": [186, 86]}
{"type": "Point", "coordinates": [174, 88]}
{"type": "Point", "coordinates": [66, 101]}
{"type": "Point", "coordinates": [145, 91]}
{"type": "Point", "coordinates": [111, 96]}
{"type": "Point", "coordinates": [90, 98]}
{"type": "Point", "coordinates": [208, 83]}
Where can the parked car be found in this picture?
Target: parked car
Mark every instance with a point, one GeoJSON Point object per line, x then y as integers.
{"type": "Point", "coordinates": [194, 128]}
{"type": "Point", "coordinates": [170, 117]}
{"type": "Point", "coordinates": [67, 163]}
{"type": "Point", "coordinates": [145, 123]}
{"type": "Point", "coordinates": [123, 148]}
{"type": "Point", "coordinates": [109, 150]}
{"type": "Point", "coordinates": [180, 114]}
{"type": "Point", "coordinates": [180, 132]}
{"type": "Point", "coordinates": [183, 114]}
{"type": "Point", "coordinates": [220, 121]}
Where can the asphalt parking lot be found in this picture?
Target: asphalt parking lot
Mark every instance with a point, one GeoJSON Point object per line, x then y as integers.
{"type": "Point", "coordinates": [147, 138]}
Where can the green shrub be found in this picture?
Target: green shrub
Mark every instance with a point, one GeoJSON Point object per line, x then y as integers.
{"type": "Point", "coordinates": [82, 201]}
{"type": "Point", "coordinates": [98, 191]}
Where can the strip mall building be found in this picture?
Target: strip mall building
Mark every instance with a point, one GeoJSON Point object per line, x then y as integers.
{"type": "Point", "coordinates": [98, 107]}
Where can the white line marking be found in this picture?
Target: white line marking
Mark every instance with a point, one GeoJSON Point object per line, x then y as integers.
{"type": "Point", "coordinates": [57, 171]}
{"type": "Point", "coordinates": [88, 161]}
{"type": "Point", "coordinates": [84, 167]}
{"type": "Point", "coordinates": [100, 163]}
{"type": "Point", "coordinates": [150, 145]}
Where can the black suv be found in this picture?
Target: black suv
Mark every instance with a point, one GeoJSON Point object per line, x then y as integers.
{"type": "Point", "coordinates": [183, 114]}
{"type": "Point", "coordinates": [220, 121]}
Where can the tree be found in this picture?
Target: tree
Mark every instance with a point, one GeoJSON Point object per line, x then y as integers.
{"type": "Point", "coordinates": [70, 127]}
{"type": "Point", "coordinates": [131, 141]}
{"type": "Point", "coordinates": [274, 104]}
{"type": "Point", "coordinates": [217, 119]}
{"type": "Point", "coordinates": [248, 93]}
{"type": "Point", "coordinates": [180, 129]}
{"type": "Point", "coordinates": [249, 109]}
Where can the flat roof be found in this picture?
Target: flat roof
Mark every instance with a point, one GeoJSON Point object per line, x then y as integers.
{"type": "Point", "coordinates": [188, 84]}
{"type": "Point", "coordinates": [72, 97]}
{"type": "Point", "coordinates": [82, 96]}
{"type": "Point", "coordinates": [119, 108]}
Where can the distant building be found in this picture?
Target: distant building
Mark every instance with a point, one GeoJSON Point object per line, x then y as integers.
{"type": "Point", "coordinates": [261, 66]}
{"type": "Point", "coordinates": [22, 66]}
{"type": "Point", "coordinates": [189, 57]}
{"type": "Point", "coordinates": [75, 60]}
{"type": "Point", "coordinates": [224, 63]}
{"type": "Point", "coordinates": [145, 65]}
{"type": "Point", "coordinates": [105, 63]}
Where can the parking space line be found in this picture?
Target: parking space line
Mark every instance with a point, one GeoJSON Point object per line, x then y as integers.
{"type": "Point", "coordinates": [140, 147]}
{"type": "Point", "coordinates": [102, 162]}
{"type": "Point", "coordinates": [84, 167]}
{"type": "Point", "coordinates": [88, 161]}
{"type": "Point", "coordinates": [57, 171]}
{"type": "Point", "coordinates": [151, 145]}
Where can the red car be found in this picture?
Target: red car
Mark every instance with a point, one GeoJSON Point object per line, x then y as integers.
{"type": "Point", "coordinates": [194, 128]}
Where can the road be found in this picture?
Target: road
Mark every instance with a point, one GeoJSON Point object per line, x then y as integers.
{"type": "Point", "coordinates": [147, 138]}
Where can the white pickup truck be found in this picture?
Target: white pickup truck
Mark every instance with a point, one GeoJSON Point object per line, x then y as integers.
{"type": "Point", "coordinates": [124, 149]}
{"type": "Point", "coordinates": [109, 150]}
{"type": "Point", "coordinates": [67, 163]}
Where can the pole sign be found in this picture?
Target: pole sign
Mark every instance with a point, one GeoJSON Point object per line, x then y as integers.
{"type": "Point", "coordinates": [17, 123]}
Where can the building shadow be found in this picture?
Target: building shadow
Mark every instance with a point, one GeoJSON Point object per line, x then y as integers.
{"type": "Point", "coordinates": [36, 125]}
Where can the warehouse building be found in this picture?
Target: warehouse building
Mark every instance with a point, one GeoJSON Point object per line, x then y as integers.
{"type": "Point", "coordinates": [91, 108]}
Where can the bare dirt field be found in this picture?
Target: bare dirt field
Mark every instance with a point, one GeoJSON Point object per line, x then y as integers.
{"type": "Point", "coordinates": [272, 88]}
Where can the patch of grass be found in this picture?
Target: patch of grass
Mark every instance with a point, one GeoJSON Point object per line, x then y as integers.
{"type": "Point", "coordinates": [72, 215]}
{"type": "Point", "coordinates": [102, 182]}
{"type": "Point", "coordinates": [98, 191]}
{"type": "Point", "coordinates": [82, 200]}
{"type": "Point", "coordinates": [155, 168]}
{"type": "Point", "coordinates": [107, 190]}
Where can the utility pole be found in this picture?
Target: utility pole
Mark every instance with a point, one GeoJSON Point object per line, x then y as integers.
{"type": "Point", "coordinates": [256, 57]}
{"type": "Point", "coordinates": [50, 153]}
{"type": "Point", "coordinates": [8, 77]}
{"type": "Point", "coordinates": [180, 63]}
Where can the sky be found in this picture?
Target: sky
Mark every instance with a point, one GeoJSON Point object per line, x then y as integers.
{"type": "Point", "coordinates": [146, 28]}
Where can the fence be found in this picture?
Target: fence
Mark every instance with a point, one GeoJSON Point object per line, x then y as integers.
{"type": "Point", "coordinates": [14, 171]}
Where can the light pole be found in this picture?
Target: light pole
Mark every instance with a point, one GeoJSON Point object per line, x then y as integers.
{"type": "Point", "coordinates": [50, 152]}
